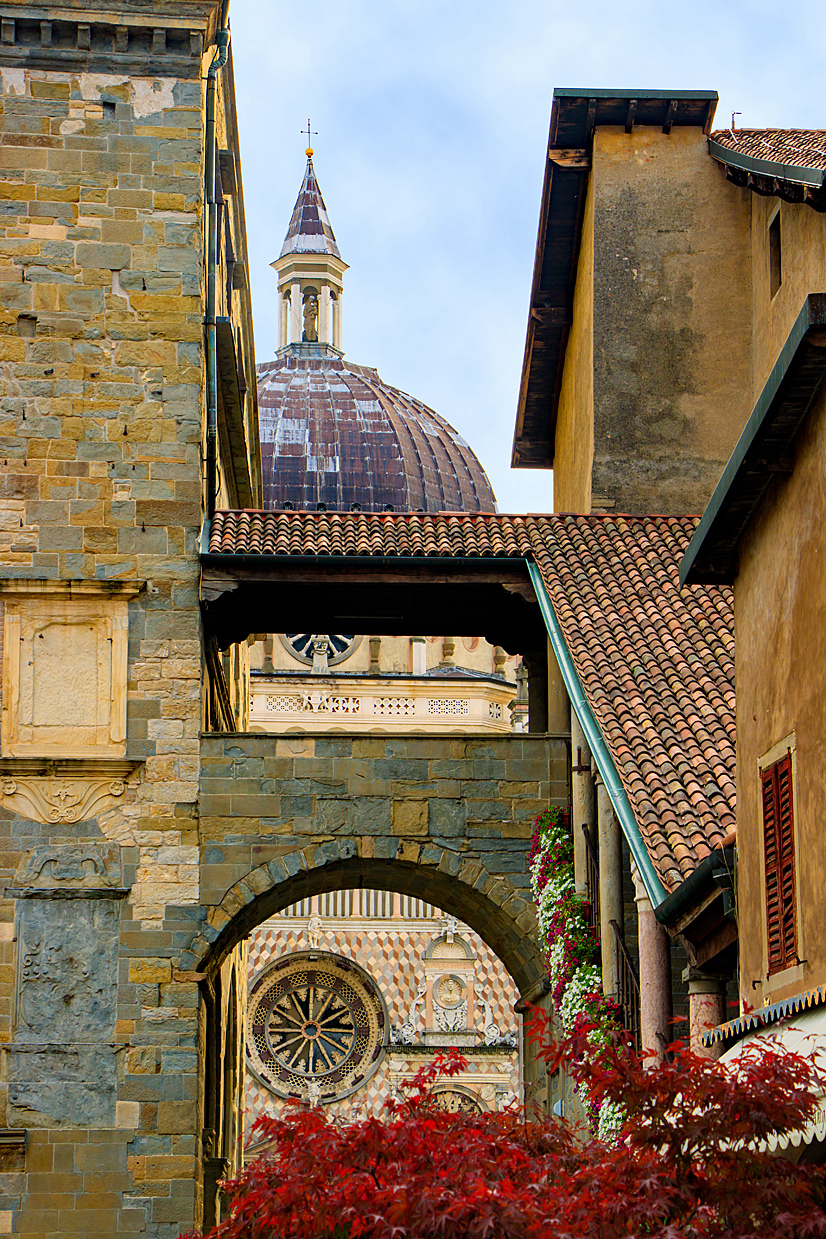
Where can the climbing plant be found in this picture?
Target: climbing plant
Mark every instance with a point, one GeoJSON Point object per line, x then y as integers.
{"type": "Point", "coordinates": [572, 949]}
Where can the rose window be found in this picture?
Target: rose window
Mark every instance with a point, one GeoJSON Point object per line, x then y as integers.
{"type": "Point", "coordinates": [316, 1027]}
{"type": "Point", "coordinates": [300, 645]}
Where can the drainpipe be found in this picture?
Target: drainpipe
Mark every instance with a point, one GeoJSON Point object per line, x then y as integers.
{"type": "Point", "coordinates": [218, 61]}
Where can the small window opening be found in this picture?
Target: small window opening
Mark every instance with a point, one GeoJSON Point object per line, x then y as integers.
{"type": "Point", "coordinates": [775, 268]}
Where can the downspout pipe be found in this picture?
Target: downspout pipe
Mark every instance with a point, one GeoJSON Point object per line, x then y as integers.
{"type": "Point", "coordinates": [605, 763]}
{"type": "Point", "coordinates": [218, 61]}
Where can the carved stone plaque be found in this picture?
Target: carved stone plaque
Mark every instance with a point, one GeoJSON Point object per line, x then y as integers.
{"type": "Point", "coordinates": [54, 866]}
{"type": "Point", "coordinates": [60, 1068]}
{"type": "Point", "coordinates": [67, 970]}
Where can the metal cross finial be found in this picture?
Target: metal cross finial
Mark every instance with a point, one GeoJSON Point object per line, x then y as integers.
{"type": "Point", "coordinates": [310, 133]}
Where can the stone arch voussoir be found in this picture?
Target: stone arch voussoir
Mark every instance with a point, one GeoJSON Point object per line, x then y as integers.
{"type": "Point", "coordinates": [504, 915]}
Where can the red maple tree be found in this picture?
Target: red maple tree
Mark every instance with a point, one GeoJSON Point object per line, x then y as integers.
{"type": "Point", "coordinates": [690, 1159]}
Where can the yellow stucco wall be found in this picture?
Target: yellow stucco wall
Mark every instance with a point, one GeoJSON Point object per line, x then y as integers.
{"type": "Point", "coordinates": [574, 447]}
{"type": "Point", "coordinates": [803, 262]}
{"type": "Point", "coordinates": [657, 376]}
{"type": "Point", "coordinates": [780, 617]}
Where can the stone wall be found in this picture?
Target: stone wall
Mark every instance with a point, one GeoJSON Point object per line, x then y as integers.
{"type": "Point", "coordinates": [446, 819]}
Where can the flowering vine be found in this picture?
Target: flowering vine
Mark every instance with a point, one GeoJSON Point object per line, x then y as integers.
{"type": "Point", "coordinates": [572, 948]}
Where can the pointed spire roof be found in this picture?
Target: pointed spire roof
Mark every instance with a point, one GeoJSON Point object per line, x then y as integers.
{"type": "Point", "coordinates": [310, 231]}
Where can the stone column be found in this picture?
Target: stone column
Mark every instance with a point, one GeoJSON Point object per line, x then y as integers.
{"type": "Point", "coordinates": [325, 333]}
{"type": "Point", "coordinates": [582, 798]}
{"type": "Point", "coordinates": [610, 885]}
{"type": "Point", "coordinates": [337, 320]}
{"type": "Point", "coordinates": [418, 655]}
{"type": "Point", "coordinates": [284, 319]}
{"type": "Point", "coordinates": [559, 707]}
{"type": "Point", "coordinates": [655, 973]}
{"type": "Point", "coordinates": [296, 313]}
{"type": "Point", "coordinates": [706, 1008]}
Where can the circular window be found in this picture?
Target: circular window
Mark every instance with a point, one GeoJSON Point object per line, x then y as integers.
{"type": "Point", "coordinates": [316, 1025]}
{"type": "Point", "coordinates": [300, 645]}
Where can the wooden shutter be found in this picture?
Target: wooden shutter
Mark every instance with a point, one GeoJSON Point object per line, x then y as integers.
{"type": "Point", "coordinates": [778, 836]}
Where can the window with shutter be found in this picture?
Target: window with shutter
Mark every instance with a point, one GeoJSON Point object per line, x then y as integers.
{"type": "Point", "coordinates": [778, 837]}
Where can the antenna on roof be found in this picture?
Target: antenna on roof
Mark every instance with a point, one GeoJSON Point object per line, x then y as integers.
{"type": "Point", "coordinates": [311, 132]}
{"type": "Point", "coordinates": [733, 125]}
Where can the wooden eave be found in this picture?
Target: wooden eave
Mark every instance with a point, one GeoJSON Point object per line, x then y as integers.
{"type": "Point", "coordinates": [575, 115]}
{"type": "Point", "coordinates": [764, 450]}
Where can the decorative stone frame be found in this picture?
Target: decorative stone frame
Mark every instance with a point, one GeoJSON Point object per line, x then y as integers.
{"type": "Point", "coordinates": [66, 697]}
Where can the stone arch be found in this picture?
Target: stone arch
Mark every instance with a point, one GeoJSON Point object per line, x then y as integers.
{"type": "Point", "coordinates": [503, 915]}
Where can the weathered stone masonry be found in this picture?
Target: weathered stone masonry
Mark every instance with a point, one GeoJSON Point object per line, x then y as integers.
{"type": "Point", "coordinates": [439, 818]}
{"type": "Point", "coordinates": [135, 851]}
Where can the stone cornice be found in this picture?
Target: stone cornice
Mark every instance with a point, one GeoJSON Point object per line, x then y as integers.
{"type": "Point", "coordinates": [130, 40]}
{"type": "Point", "coordinates": [70, 588]}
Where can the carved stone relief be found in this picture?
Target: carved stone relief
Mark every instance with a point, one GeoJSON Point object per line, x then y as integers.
{"type": "Point", "coordinates": [59, 799]}
{"type": "Point", "coordinates": [60, 1067]}
{"type": "Point", "coordinates": [88, 865]}
{"type": "Point", "coordinates": [67, 970]}
{"type": "Point", "coordinates": [64, 676]}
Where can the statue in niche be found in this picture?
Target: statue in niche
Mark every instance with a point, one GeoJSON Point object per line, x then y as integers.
{"type": "Point", "coordinates": [310, 317]}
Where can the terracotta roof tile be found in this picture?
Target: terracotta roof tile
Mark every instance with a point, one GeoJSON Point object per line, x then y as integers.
{"type": "Point", "coordinates": [800, 148]}
{"type": "Point", "coordinates": [656, 662]}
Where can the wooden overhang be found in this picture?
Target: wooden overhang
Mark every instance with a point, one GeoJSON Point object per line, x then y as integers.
{"type": "Point", "coordinates": [763, 451]}
{"type": "Point", "coordinates": [772, 179]}
{"type": "Point", "coordinates": [381, 596]}
{"type": "Point", "coordinates": [574, 117]}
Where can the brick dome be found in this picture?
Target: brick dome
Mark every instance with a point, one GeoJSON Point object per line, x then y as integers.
{"type": "Point", "coordinates": [333, 433]}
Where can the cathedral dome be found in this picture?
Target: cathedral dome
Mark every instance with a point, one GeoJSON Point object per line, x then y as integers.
{"type": "Point", "coordinates": [334, 433]}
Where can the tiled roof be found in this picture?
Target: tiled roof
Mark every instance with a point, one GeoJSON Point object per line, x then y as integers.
{"type": "Point", "coordinates": [333, 432]}
{"type": "Point", "coordinates": [310, 230]}
{"type": "Point", "coordinates": [800, 148]}
{"type": "Point", "coordinates": [656, 662]}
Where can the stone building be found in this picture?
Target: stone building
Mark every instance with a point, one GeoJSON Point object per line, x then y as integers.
{"type": "Point", "coordinates": [336, 438]}
{"type": "Point", "coordinates": [148, 831]}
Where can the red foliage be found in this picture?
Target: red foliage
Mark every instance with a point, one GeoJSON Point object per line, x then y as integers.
{"type": "Point", "coordinates": [688, 1163]}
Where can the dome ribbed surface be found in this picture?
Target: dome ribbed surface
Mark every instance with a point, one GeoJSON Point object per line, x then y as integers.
{"type": "Point", "coordinates": [334, 433]}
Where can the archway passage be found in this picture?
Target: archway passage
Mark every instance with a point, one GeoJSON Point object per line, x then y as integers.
{"type": "Point", "coordinates": [445, 819]}
{"type": "Point", "coordinates": [352, 992]}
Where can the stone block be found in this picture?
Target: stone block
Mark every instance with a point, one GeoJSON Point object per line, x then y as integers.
{"type": "Point", "coordinates": [372, 815]}
{"type": "Point", "coordinates": [176, 1116]}
{"type": "Point", "coordinates": [410, 817]}
{"type": "Point", "coordinates": [142, 971]}
{"type": "Point", "coordinates": [108, 257]}
{"type": "Point", "coordinates": [447, 818]}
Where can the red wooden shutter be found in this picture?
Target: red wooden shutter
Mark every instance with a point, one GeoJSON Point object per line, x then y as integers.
{"type": "Point", "coordinates": [778, 836]}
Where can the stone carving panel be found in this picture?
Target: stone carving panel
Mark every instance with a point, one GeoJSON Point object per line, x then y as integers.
{"type": "Point", "coordinates": [67, 970]}
{"type": "Point", "coordinates": [61, 1086]}
{"type": "Point", "coordinates": [61, 1066]}
{"type": "Point", "coordinates": [64, 676]}
{"type": "Point", "coordinates": [82, 866]}
{"type": "Point", "coordinates": [59, 799]}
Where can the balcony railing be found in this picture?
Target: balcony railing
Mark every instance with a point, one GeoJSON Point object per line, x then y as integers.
{"type": "Point", "coordinates": [628, 986]}
{"type": "Point", "coordinates": [425, 704]}
{"type": "Point", "coordinates": [592, 882]}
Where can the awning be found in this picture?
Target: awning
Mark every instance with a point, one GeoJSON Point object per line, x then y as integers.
{"type": "Point", "coordinates": [804, 1034]}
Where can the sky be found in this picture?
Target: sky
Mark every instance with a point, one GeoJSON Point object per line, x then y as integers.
{"type": "Point", "coordinates": [431, 123]}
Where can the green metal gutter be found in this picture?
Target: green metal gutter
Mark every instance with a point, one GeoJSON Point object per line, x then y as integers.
{"type": "Point", "coordinates": [605, 762]}
{"type": "Point", "coordinates": [767, 167]}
